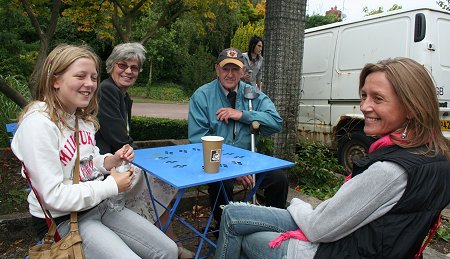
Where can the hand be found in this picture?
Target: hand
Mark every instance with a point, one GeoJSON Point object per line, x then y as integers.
{"type": "Point", "coordinates": [246, 181]}
{"type": "Point", "coordinates": [224, 114]}
{"type": "Point", "coordinates": [126, 153]}
{"type": "Point", "coordinates": [246, 77]}
{"type": "Point", "coordinates": [123, 180]}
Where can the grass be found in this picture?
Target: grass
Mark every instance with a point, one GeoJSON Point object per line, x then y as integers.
{"type": "Point", "coordinates": [160, 92]}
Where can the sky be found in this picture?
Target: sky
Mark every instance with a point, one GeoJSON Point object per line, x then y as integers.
{"type": "Point", "coordinates": [353, 8]}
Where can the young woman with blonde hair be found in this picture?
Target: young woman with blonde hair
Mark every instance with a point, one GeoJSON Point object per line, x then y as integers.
{"type": "Point", "coordinates": [45, 143]}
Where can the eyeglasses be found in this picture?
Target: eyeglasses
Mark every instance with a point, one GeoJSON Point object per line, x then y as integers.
{"type": "Point", "coordinates": [124, 66]}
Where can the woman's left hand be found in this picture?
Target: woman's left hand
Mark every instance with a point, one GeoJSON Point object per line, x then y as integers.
{"type": "Point", "coordinates": [126, 153]}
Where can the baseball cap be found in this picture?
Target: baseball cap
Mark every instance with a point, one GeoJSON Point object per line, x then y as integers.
{"type": "Point", "coordinates": [230, 55]}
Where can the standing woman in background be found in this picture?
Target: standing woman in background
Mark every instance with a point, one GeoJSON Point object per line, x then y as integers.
{"type": "Point", "coordinates": [66, 105]}
{"type": "Point", "coordinates": [254, 62]}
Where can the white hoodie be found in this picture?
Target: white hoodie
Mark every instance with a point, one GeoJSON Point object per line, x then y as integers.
{"type": "Point", "coordinates": [49, 156]}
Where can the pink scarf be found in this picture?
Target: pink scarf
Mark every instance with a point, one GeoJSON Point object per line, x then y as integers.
{"type": "Point", "coordinates": [298, 234]}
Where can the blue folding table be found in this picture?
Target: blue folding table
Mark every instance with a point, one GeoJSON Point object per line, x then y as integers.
{"type": "Point", "coordinates": [182, 167]}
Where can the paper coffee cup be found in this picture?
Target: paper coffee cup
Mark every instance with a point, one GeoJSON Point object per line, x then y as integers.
{"type": "Point", "coordinates": [212, 153]}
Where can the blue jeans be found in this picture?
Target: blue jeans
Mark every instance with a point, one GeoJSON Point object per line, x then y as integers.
{"type": "Point", "coordinates": [246, 230]}
{"type": "Point", "coordinates": [125, 234]}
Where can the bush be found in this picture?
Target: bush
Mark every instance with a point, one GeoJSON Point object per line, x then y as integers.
{"type": "Point", "coordinates": [144, 128]}
{"type": "Point", "coordinates": [8, 109]}
{"type": "Point", "coordinates": [316, 169]}
{"type": "Point", "coordinates": [197, 70]}
{"type": "Point", "coordinates": [244, 33]}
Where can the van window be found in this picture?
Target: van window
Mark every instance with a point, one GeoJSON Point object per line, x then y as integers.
{"type": "Point", "coordinates": [420, 27]}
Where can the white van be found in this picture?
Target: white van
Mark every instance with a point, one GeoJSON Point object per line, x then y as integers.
{"type": "Point", "coordinates": [334, 55]}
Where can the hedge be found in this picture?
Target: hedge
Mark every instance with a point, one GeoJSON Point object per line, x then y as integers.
{"type": "Point", "coordinates": [142, 128]}
{"type": "Point", "coordinates": [145, 128]}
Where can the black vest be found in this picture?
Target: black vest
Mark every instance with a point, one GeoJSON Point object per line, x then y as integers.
{"type": "Point", "coordinates": [400, 232]}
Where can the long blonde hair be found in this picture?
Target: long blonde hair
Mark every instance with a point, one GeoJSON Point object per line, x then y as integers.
{"type": "Point", "coordinates": [415, 88]}
{"type": "Point", "coordinates": [55, 64]}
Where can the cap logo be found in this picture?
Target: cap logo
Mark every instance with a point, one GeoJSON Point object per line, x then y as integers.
{"type": "Point", "coordinates": [232, 53]}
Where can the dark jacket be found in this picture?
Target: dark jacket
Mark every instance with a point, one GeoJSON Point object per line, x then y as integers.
{"type": "Point", "coordinates": [113, 116]}
{"type": "Point", "coordinates": [400, 232]}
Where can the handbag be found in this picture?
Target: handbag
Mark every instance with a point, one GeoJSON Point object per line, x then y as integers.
{"type": "Point", "coordinates": [71, 245]}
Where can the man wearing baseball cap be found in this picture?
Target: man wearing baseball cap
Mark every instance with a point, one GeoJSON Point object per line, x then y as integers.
{"type": "Point", "coordinates": [219, 108]}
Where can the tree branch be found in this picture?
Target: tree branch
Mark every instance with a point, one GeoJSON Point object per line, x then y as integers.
{"type": "Point", "coordinates": [32, 18]}
{"type": "Point", "coordinates": [138, 6]}
{"type": "Point", "coordinates": [57, 4]}
{"type": "Point", "coordinates": [165, 20]}
{"type": "Point", "coordinates": [116, 24]}
{"type": "Point", "coordinates": [12, 94]}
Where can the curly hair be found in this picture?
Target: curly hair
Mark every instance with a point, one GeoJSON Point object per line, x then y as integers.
{"type": "Point", "coordinates": [126, 51]}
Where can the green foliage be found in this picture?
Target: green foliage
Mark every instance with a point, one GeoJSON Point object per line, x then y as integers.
{"type": "Point", "coordinates": [319, 20]}
{"type": "Point", "coordinates": [198, 70]}
{"type": "Point", "coordinates": [185, 52]}
{"type": "Point", "coordinates": [316, 168]}
{"type": "Point", "coordinates": [18, 42]}
{"type": "Point", "coordinates": [265, 145]}
{"type": "Point", "coordinates": [244, 33]}
{"type": "Point", "coordinates": [443, 231]}
{"type": "Point", "coordinates": [8, 109]}
{"type": "Point", "coordinates": [160, 91]}
{"type": "Point", "coordinates": [248, 13]}
{"type": "Point", "coordinates": [166, 55]}
{"type": "Point", "coordinates": [220, 30]}
{"type": "Point", "coordinates": [17, 196]}
{"type": "Point", "coordinates": [144, 128]}
{"type": "Point", "coordinates": [380, 9]}
{"type": "Point", "coordinates": [444, 4]}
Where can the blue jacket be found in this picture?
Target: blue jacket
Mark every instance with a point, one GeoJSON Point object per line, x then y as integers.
{"type": "Point", "coordinates": [202, 119]}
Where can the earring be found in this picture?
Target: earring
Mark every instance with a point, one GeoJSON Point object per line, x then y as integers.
{"type": "Point", "coordinates": [404, 132]}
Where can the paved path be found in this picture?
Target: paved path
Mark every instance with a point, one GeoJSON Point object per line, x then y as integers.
{"type": "Point", "coordinates": [161, 110]}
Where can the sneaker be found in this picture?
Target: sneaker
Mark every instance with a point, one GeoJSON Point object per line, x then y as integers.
{"type": "Point", "coordinates": [184, 253]}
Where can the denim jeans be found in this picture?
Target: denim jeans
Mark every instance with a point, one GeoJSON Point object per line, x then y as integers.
{"type": "Point", "coordinates": [274, 184]}
{"type": "Point", "coordinates": [246, 230]}
{"type": "Point", "coordinates": [125, 234]}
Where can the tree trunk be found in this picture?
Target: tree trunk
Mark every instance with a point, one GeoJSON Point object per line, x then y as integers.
{"type": "Point", "coordinates": [44, 37]}
{"type": "Point", "coordinates": [284, 37]}
{"type": "Point", "coordinates": [42, 55]}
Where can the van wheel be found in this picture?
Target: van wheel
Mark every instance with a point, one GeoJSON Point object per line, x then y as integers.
{"type": "Point", "coordinates": [351, 147]}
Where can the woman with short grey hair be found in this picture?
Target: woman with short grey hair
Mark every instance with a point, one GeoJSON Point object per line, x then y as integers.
{"type": "Point", "coordinates": [126, 51]}
{"type": "Point", "coordinates": [123, 66]}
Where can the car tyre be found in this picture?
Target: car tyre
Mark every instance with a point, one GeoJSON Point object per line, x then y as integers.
{"type": "Point", "coordinates": [352, 147]}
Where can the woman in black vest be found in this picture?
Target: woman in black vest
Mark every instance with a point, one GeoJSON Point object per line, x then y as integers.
{"type": "Point", "coordinates": [394, 196]}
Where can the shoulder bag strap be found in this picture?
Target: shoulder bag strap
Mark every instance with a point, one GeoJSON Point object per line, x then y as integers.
{"type": "Point", "coordinates": [76, 177]}
{"type": "Point", "coordinates": [52, 232]}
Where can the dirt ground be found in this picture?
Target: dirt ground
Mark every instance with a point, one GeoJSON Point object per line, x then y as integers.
{"type": "Point", "coordinates": [12, 200]}
{"type": "Point", "coordinates": [18, 248]}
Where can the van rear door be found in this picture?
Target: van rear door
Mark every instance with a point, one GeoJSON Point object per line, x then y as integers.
{"type": "Point", "coordinates": [441, 66]}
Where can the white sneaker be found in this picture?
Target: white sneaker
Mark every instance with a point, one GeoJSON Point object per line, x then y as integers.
{"type": "Point", "coordinates": [184, 253]}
